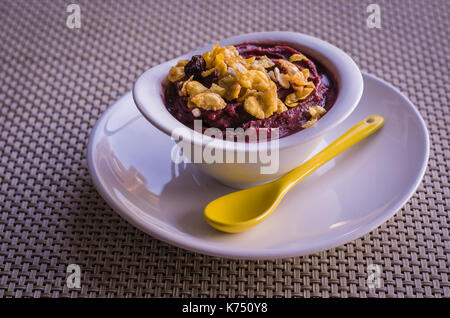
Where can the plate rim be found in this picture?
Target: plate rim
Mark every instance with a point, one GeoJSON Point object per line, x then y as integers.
{"type": "Point", "coordinates": [355, 233]}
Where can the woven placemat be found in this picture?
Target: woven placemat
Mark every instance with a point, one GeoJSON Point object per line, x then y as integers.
{"type": "Point", "coordinates": [56, 81]}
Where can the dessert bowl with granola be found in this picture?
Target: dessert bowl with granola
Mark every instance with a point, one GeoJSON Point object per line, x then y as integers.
{"type": "Point", "coordinates": [250, 85]}
{"type": "Point", "coordinates": [272, 92]}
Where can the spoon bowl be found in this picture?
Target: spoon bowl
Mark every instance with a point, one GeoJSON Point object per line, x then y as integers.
{"type": "Point", "coordinates": [243, 209]}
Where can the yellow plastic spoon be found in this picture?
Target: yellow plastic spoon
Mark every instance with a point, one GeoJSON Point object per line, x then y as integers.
{"type": "Point", "coordinates": [239, 211]}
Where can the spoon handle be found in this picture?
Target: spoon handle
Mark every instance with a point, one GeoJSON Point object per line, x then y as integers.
{"type": "Point", "coordinates": [360, 131]}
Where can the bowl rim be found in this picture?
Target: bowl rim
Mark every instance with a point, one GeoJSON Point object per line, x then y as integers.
{"type": "Point", "coordinates": [344, 70]}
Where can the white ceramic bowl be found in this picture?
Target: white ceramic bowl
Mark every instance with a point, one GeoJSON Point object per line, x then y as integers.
{"type": "Point", "coordinates": [293, 149]}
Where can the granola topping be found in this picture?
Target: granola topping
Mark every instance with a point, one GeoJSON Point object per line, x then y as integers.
{"type": "Point", "coordinates": [249, 85]}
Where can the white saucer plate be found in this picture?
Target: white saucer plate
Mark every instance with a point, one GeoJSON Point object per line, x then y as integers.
{"type": "Point", "coordinates": [131, 167]}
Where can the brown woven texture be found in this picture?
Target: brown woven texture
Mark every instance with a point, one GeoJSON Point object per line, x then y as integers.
{"type": "Point", "coordinates": [55, 82]}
